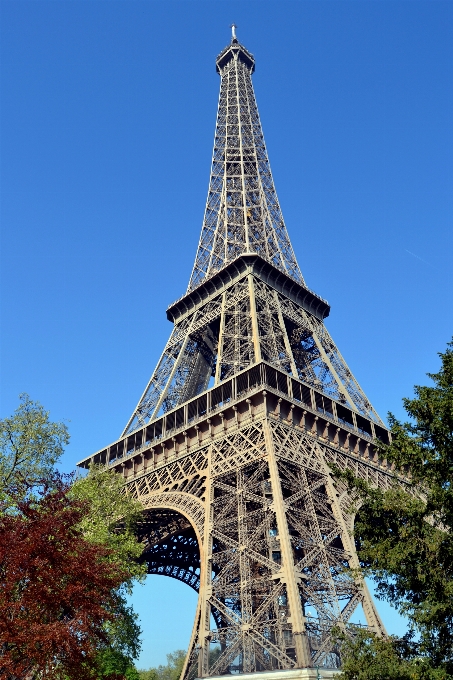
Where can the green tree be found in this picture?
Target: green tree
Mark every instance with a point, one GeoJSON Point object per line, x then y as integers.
{"type": "Point", "coordinates": [110, 521]}
{"type": "Point", "coordinates": [122, 641]}
{"type": "Point", "coordinates": [170, 671]}
{"type": "Point", "coordinates": [111, 662]}
{"type": "Point", "coordinates": [367, 657]}
{"type": "Point", "coordinates": [30, 445]}
{"type": "Point", "coordinates": [173, 668]}
{"type": "Point", "coordinates": [150, 674]}
{"type": "Point", "coordinates": [58, 595]}
{"type": "Point", "coordinates": [111, 518]}
{"type": "Point", "coordinates": [404, 537]}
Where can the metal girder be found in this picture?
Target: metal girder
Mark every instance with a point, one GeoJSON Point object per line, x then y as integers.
{"type": "Point", "coordinates": [257, 526]}
{"type": "Point", "coordinates": [247, 323]}
{"type": "Point", "coordinates": [242, 212]}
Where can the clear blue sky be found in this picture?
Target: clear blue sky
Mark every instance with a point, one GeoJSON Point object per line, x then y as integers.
{"type": "Point", "coordinates": [108, 114]}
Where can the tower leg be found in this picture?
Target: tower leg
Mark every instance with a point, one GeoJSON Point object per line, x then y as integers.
{"type": "Point", "coordinates": [373, 619]}
{"type": "Point", "coordinates": [204, 633]}
{"type": "Point", "coordinates": [297, 618]}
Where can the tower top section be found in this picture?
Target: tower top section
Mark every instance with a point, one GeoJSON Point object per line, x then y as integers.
{"type": "Point", "coordinates": [234, 51]}
{"type": "Point", "coordinates": [247, 304]}
{"type": "Point", "coordinates": [242, 214]}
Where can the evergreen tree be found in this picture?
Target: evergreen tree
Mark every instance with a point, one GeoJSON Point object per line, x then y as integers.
{"type": "Point", "coordinates": [404, 539]}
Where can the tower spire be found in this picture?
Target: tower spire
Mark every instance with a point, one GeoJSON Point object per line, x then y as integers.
{"type": "Point", "coordinates": [233, 32]}
{"type": "Point", "coordinates": [242, 213]}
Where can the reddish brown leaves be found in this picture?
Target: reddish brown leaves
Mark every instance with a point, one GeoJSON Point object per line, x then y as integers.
{"type": "Point", "coordinates": [56, 590]}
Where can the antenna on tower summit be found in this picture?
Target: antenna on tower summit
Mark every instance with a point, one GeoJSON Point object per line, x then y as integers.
{"type": "Point", "coordinates": [233, 32]}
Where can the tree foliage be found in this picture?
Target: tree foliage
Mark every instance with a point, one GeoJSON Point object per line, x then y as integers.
{"type": "Point", "coordinates": [58, 589]}
{"type": "Point", "coordinates": [30, 445]}
{"type": "Point", "coordinates": [100, 520]}
{"type": "Point", "coordinates": [173, 668]}
{"type": "Point", "coordinates": [368, 657]}
{"type": "Point", "coordinates": [170, 671]}
{"type": "Point", "coordinates": [113, 663]}
{"type": "Point", "coordinates": [404, 536]}
{"type": "Point", "coordinates": [111, 519]}
{"type": "Point", "coordinates": [123, 642]}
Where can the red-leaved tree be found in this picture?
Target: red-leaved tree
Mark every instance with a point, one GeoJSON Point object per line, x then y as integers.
{"type": "Point", "coordinates": [57, 590]}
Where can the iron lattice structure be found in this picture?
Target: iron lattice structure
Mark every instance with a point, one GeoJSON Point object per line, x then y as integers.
{"type": "Point", "coordinates": [230, 445]}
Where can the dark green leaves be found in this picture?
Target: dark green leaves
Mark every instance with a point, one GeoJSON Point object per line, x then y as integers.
{"type": "Point", "coordinates": [404, 539]}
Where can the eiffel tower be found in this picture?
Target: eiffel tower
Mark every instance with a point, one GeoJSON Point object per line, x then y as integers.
{"type": "Point", "coordinates": [230, 446]}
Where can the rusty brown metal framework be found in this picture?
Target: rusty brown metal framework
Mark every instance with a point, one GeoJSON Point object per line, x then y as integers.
{"type": "Point", "coordinates": [230, 445]}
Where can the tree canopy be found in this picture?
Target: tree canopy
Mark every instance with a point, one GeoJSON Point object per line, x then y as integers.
{"type": "Point", "coordinates": [111, 519]}
{"type": "Point", "coordinates": [30, 445]}
{"type": "Point", "coordinates": [68, 558]}
{"type": "Point", "coordinates": [169, 671]}
{"type": "Point", "coordinates": [58, 589]}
